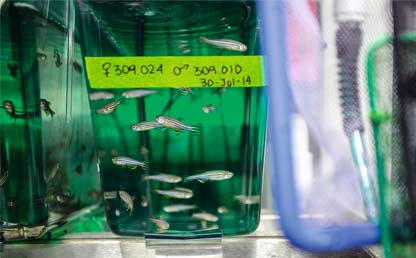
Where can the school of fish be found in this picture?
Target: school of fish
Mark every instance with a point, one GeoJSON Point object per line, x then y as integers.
{"type": "Point", "coordinates": [161, 122]}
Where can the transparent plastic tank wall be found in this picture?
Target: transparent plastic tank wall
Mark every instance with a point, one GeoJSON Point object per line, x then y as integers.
{"type": "Point", "coordinates": [48, 157]}
{"type": "Point", "coordinates": [227, 125]}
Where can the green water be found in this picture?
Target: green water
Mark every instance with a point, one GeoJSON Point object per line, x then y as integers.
{"type": "Point", "coordinates": [50, 160]}
{"type": "Point", "coordinates": [231, 138]}
{"type": "Point", "coordinates": [24, 193]}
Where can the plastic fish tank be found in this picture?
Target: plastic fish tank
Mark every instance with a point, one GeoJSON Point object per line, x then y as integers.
{"type": "Point", "coordinates": [174, 157]}
{"type": "Point", "coordinates": [48, 162]}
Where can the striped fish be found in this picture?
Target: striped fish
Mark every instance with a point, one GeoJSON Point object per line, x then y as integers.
{"type": "Point", "coordinates": [160, 223]}
{"type": "Point", "coordinates": [3, 178]}
{"type": "Point", "coordinates": [101, 95]}
{"type": "Point", "coordinates": [222, 210]}
{"type": "Point", "coordinates": [45, 106]}
{"type": "Point", "coordinates": [129, 162]}
{"type": "Point", "coordinates": [179, 208]}
{"type": "Point", "coordinates": [177, 125]}
{"type": "Point", "coordinates": [212, 175]}
{"type": "Point", "coordinates": [110, 195]}
{"type": "Point", "coordinates": [205, 216]}
{"type": "Point", "coordinates": [208, 108]}
{"type": "Point", "coordinates": [225, 44]}
{"type": "Point", "coordinates": [126, 198]}
{"type": "Point", "coordinates": [145, 126]}
{"type": "Point", "coordinates": [138, 93]}
{"type": "Point", "coordinates": [109, 108]}
{"type": "Point", "coordinates": [247, 199]}
{"type": "Point", "coordinates": [163, 178]}
{"type": "Point", "coordinates": [53, 173]}
{"type": "Point", "coordinates": [178, 193]}
{"type": "Point", "coordinates": [185, 91]}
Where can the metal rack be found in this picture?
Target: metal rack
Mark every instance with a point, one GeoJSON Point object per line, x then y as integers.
{"type": "Point", "coordinates": [267, 241]}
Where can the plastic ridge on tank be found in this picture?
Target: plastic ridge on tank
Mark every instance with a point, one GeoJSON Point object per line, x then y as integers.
{"type": "Point", "coordinates": [306, 235]}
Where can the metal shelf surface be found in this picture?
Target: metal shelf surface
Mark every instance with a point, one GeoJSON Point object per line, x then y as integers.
{"type": "Point", "coordinates": [266, 242]}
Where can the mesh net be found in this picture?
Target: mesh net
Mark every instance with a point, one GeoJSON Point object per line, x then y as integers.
{"type": "Point", "coordinates": [398, 233]}
{"type": "Point", "coordinates": [328, 85]}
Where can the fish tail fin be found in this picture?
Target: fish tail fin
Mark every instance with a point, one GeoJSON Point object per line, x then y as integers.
{"type": "Point", "coordinates": [52, 113]}
{"type": "Point", "coordinates": [145, 165]}
{"type": "Point", "coordinates": [144, 178]}
{"type": "Point", "coordinates": [156, 191]}
{"type": "Point", "coordinates": [203, 39]}
{"type": "Point", "coordinates": [196, 130]}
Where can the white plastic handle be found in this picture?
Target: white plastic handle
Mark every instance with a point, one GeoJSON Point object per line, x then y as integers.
{"type": "Point", "coordinates": [350, 10]}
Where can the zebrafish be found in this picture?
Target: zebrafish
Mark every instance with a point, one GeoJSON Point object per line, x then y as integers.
{"type": "Point", "coordinates": [25, 6]}
{"type": "Point", "coordinates": [45, 106]}
{"type": "Point", "coordinates": [63, 198]}
{"type": "Point", "coordinates": [225, 44]}
{"type": "Point", "coordinates": [42, 56]}
{"type": "Point", "coordinates": [145, 126]}
{"type": "Point", "coordinates": [160, 223]}
{"type": "Point", "coordinates": [126, 198]}
{"type": "Point", "coordinates": [179, 208]}
{"type": "Point", "coordinates": [9, 107]}
{"type": "Point", "coordinates": [186, 50]}
{"type": "Point", "coordinates": [81, 150]}
{"type": "Point", "coordinates": [109, 108]}
{"type": "Point", "coordinates": [177, 125]}
{"type": "Point", "coordinates": [163, 178]}
{"type": "Point", "coordinates": [212, 175]}
{"type": "Point", "coordinates": [77, 66]}
{"type": "Point", "coordinates": [222, 210]}
{"type": "Point", "coordinates": [208, 108]}
{"type": "Point", "coordinates": [185, 91]}
{"type": "Point", "coordinates": [178, 192]}
{"type": "Point", "coordinates": [53, 173]}
{"type": "Point", "coordinates": [144, 151]}
{"type": "Point", "coordinates": [244, 199]}
{"type": "Point", "coordinates": [221, 90]}
{"type": "Point", "coordinates": [12, 69]}
{"type": "Point", "coordinates": [129, 162]}
{"type": "Point", "coordinates": [94, 195]}
{"type": "Point", "coordinates": [101, 95]}
{"type": "Point", "coordinates": [213, 227]}
{"type": "Point", "coordinates": [144, 201]}
{"type": "Point", "coordinates": [78, 169]}
{"type": "Point", "coordinates": [3, 178]}
{"type": "Point", "coordinates": [205, 216]}
{"type": "Point", "coordinates": [91, 158]}
{"type": "Point", "coordinates": [138, 93]}
{"type": "Point", "coordinates": [57, 56]}
{"type": "Point", "coordinates": [110, 195]}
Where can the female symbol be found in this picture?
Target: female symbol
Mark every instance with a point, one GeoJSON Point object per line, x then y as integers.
{"type": "Point", "coordinates": [106, 67]}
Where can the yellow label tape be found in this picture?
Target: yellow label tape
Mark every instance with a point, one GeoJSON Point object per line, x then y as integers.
{"type": "Point", "coordinates": [174, 71]}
